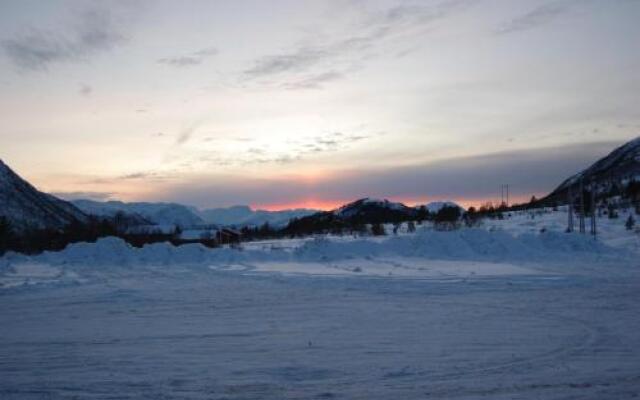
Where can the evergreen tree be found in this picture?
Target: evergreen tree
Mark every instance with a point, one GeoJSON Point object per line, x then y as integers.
{"type": "Point", "coordinates": [631, 222]}
{"type": "Point", "coordinates": [378, 230]}
{"type": "Point", "coordinates": [422, 214]}
{"type": "Point", "coordinates": [411, 227]}
{"type": "Point", "coordinates": [5, 234]}
{"type": "Point", "coordinates": [448, 214]}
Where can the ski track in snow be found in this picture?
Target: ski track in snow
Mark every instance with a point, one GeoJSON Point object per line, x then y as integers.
{"type": "Point", "coordinates": [316, 319]}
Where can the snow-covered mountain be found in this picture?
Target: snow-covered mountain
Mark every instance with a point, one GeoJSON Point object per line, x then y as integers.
{"type": "Point", "coordinates": [245, 216]}
{"type": "Point", "coordinates": [154, 213]}
{"type": "Point", "coordinates": [365, 211]}
{"type": "Point", "coordinates": [369, 208]}
{"type": "Point", "coordinates": [27, 208]}
{"type": "Point", "coordinates": [619, 166]}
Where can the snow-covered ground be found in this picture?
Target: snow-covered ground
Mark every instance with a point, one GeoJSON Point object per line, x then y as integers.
{"type": "Point", "coordinates": [502, 311]}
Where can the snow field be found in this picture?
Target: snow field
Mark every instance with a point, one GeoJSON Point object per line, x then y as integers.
{"type": "Point", "coordinates": [426, 254]}
{"type": "Point", "coordinates": [497, 312]}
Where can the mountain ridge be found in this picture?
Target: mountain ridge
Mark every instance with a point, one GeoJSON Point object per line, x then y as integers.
{"type": "Point", "coordinates": [25, 207]}
{"type": "Point", "coordinates": [620, 165]}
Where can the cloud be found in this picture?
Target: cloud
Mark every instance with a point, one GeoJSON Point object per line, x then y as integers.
{"type": "Point", "coordinates": [307, 57]}
{"type": "Point", "coordinates": [146, 176]}
{"type": "Point", "coordinates": [326, 143]}
{"type": "Point", "coordinates": [538, 16]}
{"type": "Point", "coordinates": [297, 60]}
{"type": "Point", "coordinates": [98, 196]}
{"type": "Point", "coordinates": [85, 90]}
{"type": "Point", "coordinates": [423, 14]}
{"type": "Point", "coordinates": [185, 135]}
{"type": "Point", "coordinates": [535, 171]}
{"type": "Point", "coordinates": [195, 58]}
{"type": "Point", "coordinates": [313, 81]}
{"type": "Point", "coordinates": [92, 31]}
{"type": "Point", "coordinates": [322, 61]}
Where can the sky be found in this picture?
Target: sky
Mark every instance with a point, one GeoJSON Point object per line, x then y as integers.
{"type": "Point", "coordinates": [282, 104]}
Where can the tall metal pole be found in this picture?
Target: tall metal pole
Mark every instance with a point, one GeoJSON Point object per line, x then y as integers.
{"type": "Point", "coordinates": [582, 225]}
{"type": "Point", "coordinates": [570, 203]}
{"type": "Point", "coordinates": [507, 195]}
{"type": "Point", "coordinates": [593, 210]}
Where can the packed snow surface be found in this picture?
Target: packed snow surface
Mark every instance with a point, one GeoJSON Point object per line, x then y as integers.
{"type": "Point", "coordinates": [513, 309]}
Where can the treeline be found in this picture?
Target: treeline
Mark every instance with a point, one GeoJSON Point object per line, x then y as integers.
{"type": "Point", "coordinates": [330, 223]}
{"type": "Point", "coordinates": [32, 241]}
{"type": "Point", "coordinates": [37, 240]}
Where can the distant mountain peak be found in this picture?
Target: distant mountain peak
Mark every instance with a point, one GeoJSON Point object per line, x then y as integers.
{"type": "Point", "coordinates": [156, 213]}
{"type": "Point", "coordinates": [367, 205]}
{"type": "Point", "coordinates": [242, 215]}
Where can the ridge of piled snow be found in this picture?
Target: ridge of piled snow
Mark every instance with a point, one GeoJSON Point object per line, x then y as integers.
{"type": "Point", "coordinates": [466, 244]}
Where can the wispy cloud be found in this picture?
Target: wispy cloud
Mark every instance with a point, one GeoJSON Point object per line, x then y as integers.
{"type": "Point", "coordinates": [541, 15]}
{"type": "Point", "coordinates": [146, 176]}
{"type": "Point", "coordinates": [92, 31]}
{"type": "Point", "coordinates": [309, 65]}
{"type": "Point", "coordinates": [263, 153]}
{"type": "Point", "coordinates": [185, 135]}
{"type": "Point", "coordinates": [98, 196]}
{"type": "Point", "coordinates": [191, 59]}
{"type": "Point", "coordinates": [85, 90]}
{"type": "Point", "coordinates": [537, 171]}
{"type": "Point", "coordinates": [314, 81]}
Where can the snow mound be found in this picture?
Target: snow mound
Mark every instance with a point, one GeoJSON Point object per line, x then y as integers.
{"type": "Point", "coordinates": [111, 255]}
{"type": "Point", "coordinates": [465, 244]}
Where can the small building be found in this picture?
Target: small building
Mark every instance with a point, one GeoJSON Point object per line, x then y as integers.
{"type": "Point", "coordinates": [228, 236]}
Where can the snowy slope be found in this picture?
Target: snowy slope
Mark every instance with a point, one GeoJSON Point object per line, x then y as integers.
{"type": "Point", "coordinates": [368, 206]}
{"type": "Point", "coordinates": [245, 216]}
{"type": "Point", "coordinates": [156, 213]}
{"type": "Point", "coordinates": [621, 164]}
{"type": "Point", "coordinates": [374, 210]}
{"type": "Point", "coordinates": [366, 211]}
{"type": "Point", "coordinates": [26, 207]}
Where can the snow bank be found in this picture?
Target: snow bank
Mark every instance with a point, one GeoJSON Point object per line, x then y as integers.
{"type": "Point", "coordinates": [464, 244]}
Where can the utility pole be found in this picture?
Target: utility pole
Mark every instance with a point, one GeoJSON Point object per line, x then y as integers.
{"type": "Point", "coordinates": [507, 185]}
{"type": "Point", "coordinates": [504, 195]}
{"type": "Point", "coordinates": [593, 210]}
{"type": "Point", "coordinates": [570, 203]}
{"type": "Point", "coordinates": [582, 225]}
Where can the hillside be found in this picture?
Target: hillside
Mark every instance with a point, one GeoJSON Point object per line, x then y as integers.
{"type": "Point", "coordinates": [613, 171]}
{"type": "Point", "coordinates": [25, 207]}
{"type": "Point", "coordinates": [246, 216]}
{"type": "Point", "coordinates": [153, 213]}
